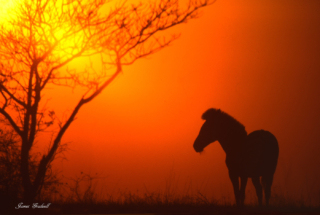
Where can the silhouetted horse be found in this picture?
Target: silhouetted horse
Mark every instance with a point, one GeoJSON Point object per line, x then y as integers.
{"type": "Point", "coordinates": [247, 156]}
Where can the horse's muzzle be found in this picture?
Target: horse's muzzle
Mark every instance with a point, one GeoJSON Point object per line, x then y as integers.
{"type": "Point", "coordinates": [197, 149]}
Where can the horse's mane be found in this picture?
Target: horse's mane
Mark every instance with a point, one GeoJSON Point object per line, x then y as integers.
{"type": "Point", "coordinates": [226, 119]}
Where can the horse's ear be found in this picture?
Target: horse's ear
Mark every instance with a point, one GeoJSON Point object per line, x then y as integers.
{"type": "Point", "coordinates": [210, 113]}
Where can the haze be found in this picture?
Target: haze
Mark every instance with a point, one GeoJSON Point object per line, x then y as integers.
{"type": "Point", "coordinates": [256, 60]}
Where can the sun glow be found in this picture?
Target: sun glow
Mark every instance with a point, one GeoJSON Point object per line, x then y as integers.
{"type": "Point", "coordinates": [7, 7]}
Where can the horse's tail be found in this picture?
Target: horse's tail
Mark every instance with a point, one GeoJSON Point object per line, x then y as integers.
{"type": "Point", "coordinates": [267, 183]}
{"type": "Point", "coordinates": [271, 160]}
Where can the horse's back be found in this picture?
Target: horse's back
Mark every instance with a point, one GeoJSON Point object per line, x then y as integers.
{"type": "Point", "coordinates": [261, 153]}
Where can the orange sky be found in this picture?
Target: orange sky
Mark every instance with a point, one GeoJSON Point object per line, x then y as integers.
{"type": "Point", "coordinates": [256, 60]}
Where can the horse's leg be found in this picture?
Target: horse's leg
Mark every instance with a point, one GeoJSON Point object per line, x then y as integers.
{"type": "Point", "coordinates": [243, 189]}
{"type": "Point", "coordinates": [257, 185]}
{"type": "Point", "coordinates": [267, 182]}
{"type": "Point", "coordinates": [235, 182]}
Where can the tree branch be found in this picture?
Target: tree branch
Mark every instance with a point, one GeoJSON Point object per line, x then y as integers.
{"type": "Point", "coordinates": [11, 121]}
{"type": "Point", "coordinates": [49, 157]}
{"type": "Point", "coordinates": [12, 96]}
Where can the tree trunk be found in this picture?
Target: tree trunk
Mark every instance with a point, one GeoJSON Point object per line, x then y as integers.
{"type": "Point", "coordinates": [30, 189]}
{"type": "Point", "coordinates": [24, 170]}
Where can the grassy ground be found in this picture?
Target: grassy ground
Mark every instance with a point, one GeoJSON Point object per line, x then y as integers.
{"type": "Point", "coordinates": [77, 199]}
{"type": "Point", "coordinates": [160, 204]}
{"type": "Point", "coordinates": [105, 208]}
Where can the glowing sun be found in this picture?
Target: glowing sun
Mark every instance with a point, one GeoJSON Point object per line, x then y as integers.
{"type": "Point", "coordinates": [7, 7]}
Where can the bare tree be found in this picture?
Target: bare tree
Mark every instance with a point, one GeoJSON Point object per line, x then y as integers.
{"type": "Point", "coordinates": [11, 188]}
{"type": "Point", "coordinates": [42, 37]}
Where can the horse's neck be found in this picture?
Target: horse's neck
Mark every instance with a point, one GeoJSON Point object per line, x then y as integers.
{"type": "Point", "coordinates": [234, 152]}
{"type": "Point", "coordinates": [233, 144]}
{"type": "Point", "coordinates": [233, 141]}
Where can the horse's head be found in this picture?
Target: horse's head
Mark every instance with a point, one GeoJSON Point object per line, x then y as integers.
{"type": "Point", "coordinates": [208, 132]}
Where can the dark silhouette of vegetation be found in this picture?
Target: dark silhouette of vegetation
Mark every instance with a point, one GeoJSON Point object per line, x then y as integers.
{"type": "Point", "coordinates": [247, 156]}
{"type": "Point", "coordinates": [11, 190]}
{"type": "Point", "coordinates": [85, 201]}
{"type": "Point", "coordinates": [79, 196]}
{"type": "Point", "coordinates": [10, 178]}
{"type": "Point", "coordinates": [38, 41]}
